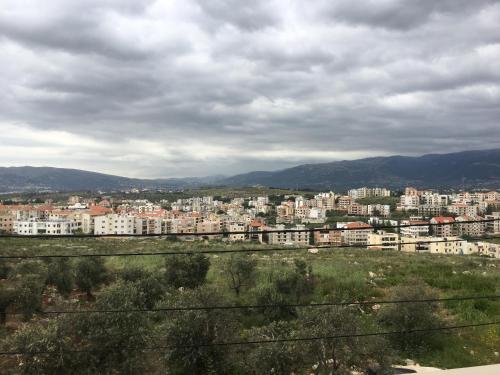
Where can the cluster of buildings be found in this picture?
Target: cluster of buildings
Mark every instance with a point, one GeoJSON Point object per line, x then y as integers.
{"type": "Point", "coordinates": [462, 218]}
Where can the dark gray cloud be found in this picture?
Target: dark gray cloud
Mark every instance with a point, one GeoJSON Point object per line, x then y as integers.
{"type": "Point", "coordinates": [176, 88]}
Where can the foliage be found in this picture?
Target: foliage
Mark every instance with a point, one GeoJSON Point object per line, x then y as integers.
{"type": "Point", "coordinates": [60, 274]}
{"type": "Point", "coordinates": [345, 354]}
{"type": "Point", "coordinates": [274, 358]}
{"type": "Point", "coordinates": [45, 350]}
{"type": "Point", "coordinates": [114, 341]}
{"type": "Point", "coordinates": [187, 271]}
{"type": "Point", "coordinates": [239, 272]}
{"type": "Point", "coordinates": [412, 317]}
{"type": "Point", "coordinates": [190, 335]}
{"type": "Point", "coordinates": [29, 277]}
{"type": "Point", "coordinates": [89, 274]}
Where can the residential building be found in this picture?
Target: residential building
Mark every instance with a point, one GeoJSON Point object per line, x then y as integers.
{"type": "Point", "coordinates": [355, 233]}
{"type": "Point", "coordinates": [416, 228]}
{"type": "Point", "coordinates": [442, 226]}
{"type": "Point", "coordinates": [475, 229]}
{"type": "Point", "coordinates": [114, 224]}
{"type": "Point", "coordinates": [365, 192]}
{"type": "Point", "coordinates": [237, 227]}
{"type": "Point", "coordinates": [383, 241]}
{"type": "Point", "coordinates": [46, 227]}
{"type": "Point", "coordinates": [493, 226]}
{"type": "Point", "coordinates": [327, 237]}
{"type": "Point", "coordinates": [449, 246]}
{"type": "Point", "coordinates": [463, 210]}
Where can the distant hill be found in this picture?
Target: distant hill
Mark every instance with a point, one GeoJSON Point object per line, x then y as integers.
{"type": "Point", "coordinates": [15, 179]}
{"type": "Point", "coordinates": [477, 169]}
{"type": "Point", "coordinates": [471, 168]}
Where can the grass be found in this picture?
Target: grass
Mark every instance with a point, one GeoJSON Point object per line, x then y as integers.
{"type": "Point", "coordinates": [343, 274]}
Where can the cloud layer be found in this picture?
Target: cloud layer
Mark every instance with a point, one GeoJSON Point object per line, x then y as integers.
{"type": "Point", "coordinates": [172, 88]}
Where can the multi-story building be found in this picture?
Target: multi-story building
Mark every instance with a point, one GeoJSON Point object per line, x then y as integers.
{"type": "Point", "coordinates": [46, 227]}
{"type": "Point", "coordinates": [282, 236]}
{"type": "Point", "coordinates": [325, 200]}
{"type": "Point", "coordinates": [357, 209]}
{"type": "Point", "coordinates": [114, 224]}
{"type": "Point", "coordinates": [383, 241]}
{"type": "Point", "coordinates": [493, 226]}
{"type": "Point", "coordinates": [416, 244]}
{"type": "Point", "coordinates": [442, 226]}
{"type": "Point", "coordinates": [415, 228]}
{"type": "Point", "coordinates": [430, 211]}
{"type": "Point", "coordinates": [237, 227]}
{"type": "Point", "coordinates": [344, 202]}
{"type": "Point", "coordinates": [383, 210]}
{"type": "Point", "coordinates": [463, 210]}
{"type": "Point", "coordinates": [6, 219]}
{"type": "Point", "coordinates": [430, 198]}
{"type": "Point", "coordinates": [365, 192]}
{"type": "Point", "coordinates": [475, 226]}
{"type": "Point", "coordinates": [449, 246]}
{"type": "Point", "coordinates": [327, 237]}
{"type": "Point", "coordinates": [408, 202]}
{"type": "Point", "coordinates": [355, 233]}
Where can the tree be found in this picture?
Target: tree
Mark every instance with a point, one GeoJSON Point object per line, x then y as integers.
{"type": "Point", "coordinates": [239, 271]}
{"type": "Point", "coordinates": [188, 335]}
{"type": "Point", "coordinates": [113, 341]}
{"type": "Point", "coordinates": [89, 274]}
{"type": "Point", "coordinates": [60, 274]}
{"type": "Point", "coordinates": [412, 316]}
{"type": "Point", "coordinates": [50, 337]}
{"type": "Point", "coordinates": [7, 297]}
{"type": "Point", "coordinates": [28, 279]}
{"type": "Point", "coordinates": [273, 358]}
{"type": "Point", "coordinates": [187, 271]}
{"type": "Point", "coordinates": [341, 355]}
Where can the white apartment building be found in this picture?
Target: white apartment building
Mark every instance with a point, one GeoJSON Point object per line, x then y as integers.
{"type": "Point", "coordinates": [114, 224]}
{"type": "Point", "coordinates": [365, 192]}
{"type": "Point", "coordinates": [46, 227]}
{"type": "Point", "coordinates": [433, 199]}
{"type": "Point", "coordinates": [409, 202]}
{"type": "Point", "coordinates": [416, 228]}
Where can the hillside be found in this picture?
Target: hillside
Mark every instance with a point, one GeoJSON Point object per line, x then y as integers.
{"type": "Point", "coordinates": [471, 168]}
{"type": "Point", "coordinates": [62, 179]}
{"type": "Point", "coordinates": [474, 169]}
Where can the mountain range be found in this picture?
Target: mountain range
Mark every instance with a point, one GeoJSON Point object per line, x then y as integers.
{"type": "Point", "coordinates": [477, 169]}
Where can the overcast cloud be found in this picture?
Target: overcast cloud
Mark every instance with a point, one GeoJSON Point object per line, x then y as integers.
{"type": "Point", "coordinates": [173, 88]}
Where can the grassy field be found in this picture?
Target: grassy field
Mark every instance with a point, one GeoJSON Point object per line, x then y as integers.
{"type": "Point", "coordinates": [345, 275]}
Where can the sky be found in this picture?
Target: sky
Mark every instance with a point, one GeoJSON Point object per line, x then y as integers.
{"type": "Point", "coordinates": [176, 88]}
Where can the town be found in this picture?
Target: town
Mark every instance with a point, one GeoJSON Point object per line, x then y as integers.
{"type": "Point", "coordinates": [423, 220]}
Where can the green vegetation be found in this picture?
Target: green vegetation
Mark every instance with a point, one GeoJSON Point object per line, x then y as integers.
{"type": "Point", "coordinates": [105, 342]}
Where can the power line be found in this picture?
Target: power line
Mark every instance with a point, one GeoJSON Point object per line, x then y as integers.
{"type": "Point", "coordinates": [262, 306]}
{"type": "Point", "coordinates": [230, 251]}
{"type": "Point", "coordinates": [252, 342]}
{"type": "Point", "coordinates": [227, 233]}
